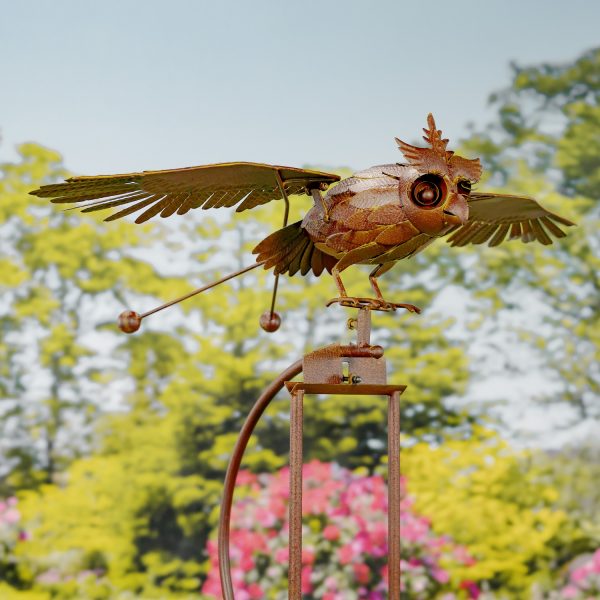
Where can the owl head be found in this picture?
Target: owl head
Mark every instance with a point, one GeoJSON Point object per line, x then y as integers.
{"type": "Point", "coordinates": [435, 193]}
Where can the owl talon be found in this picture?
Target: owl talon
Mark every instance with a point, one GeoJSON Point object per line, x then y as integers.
{"type": "Point", "coordinates": [372, 304]}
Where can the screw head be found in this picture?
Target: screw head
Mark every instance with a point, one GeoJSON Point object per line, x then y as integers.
{"type": "Point", "coordinates": [129, 321]}
{"type": "Point", "coordinates": [270, 322]}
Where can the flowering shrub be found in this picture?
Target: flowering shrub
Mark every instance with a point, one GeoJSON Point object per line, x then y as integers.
{"type": "Point", "coordinates": [344, 541]}
{"type": "Point", "coordinates": [10, 535]}
{"type": "Point", "coordinates": [583, 582]}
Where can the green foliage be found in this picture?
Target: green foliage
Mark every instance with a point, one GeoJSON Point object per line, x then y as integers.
{"type": "Point", "coordinates": [573, 473]}
{"type": "Point", "coordinates": [58, 269]}
{"type": "Point", "coordinates": [118, 445]}
{"type": "Point", "coordinates": [135, 515]}
{"type": "Point", "coordinates": [480, 493]}
{"type": "Point", "coordinates": [528, 154]}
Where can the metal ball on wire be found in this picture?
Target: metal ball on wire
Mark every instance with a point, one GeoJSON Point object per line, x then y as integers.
{"type": "Point", "coordinates": [270, 321]}
{"type": "Point", "coordinates": [129, 321]}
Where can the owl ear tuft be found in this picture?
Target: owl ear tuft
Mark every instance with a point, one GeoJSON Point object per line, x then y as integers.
{"type": "Point", "coordinates": [437, 158]}
{"type": "Point", "coordinates": [433, 136]}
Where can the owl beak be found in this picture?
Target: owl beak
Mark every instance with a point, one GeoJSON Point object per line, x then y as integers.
{"type": "Point", "coordinates": [456, 210]}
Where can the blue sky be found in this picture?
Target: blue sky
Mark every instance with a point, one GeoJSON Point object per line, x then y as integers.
{"type": "Point", "coordinates": [122, 86]}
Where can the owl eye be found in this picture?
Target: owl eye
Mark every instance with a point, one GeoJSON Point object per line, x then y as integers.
{"type": "Point", "coordinates": [464, 187]}
{"type": "Point", "coordinates": [428, 191]}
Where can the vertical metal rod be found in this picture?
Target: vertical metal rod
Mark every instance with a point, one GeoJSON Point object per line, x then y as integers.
{"type": "Point", "coordinates": [295, 508]}
{"type": "Point", "coordinates": [363, 328]}
{"type": "Point", "coordinates": [286, 215]}
{"type": "Point", "coordinates": [234, 466]}
{"type": "Point", "coordinates": [394, 495]}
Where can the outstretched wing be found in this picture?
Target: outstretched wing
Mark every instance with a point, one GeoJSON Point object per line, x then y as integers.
{"type": "Point", "coordinates": [494, 216]}
{"type": "Point", "coordinates": [178, 190]}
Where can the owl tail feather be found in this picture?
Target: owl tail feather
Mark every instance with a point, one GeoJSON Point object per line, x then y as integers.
{"type": "Point", "coordinates": [290, 250]}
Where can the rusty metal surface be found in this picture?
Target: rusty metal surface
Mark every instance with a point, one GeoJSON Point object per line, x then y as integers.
{"type": "Point", "coordinates": [377, 216]}
{"type": "Point", "coordinates": [394, 495]}
{"type": "Point", "coordinates": [233, 468]}
{"type": "Point", "coordinates": [241, 184]}
{"type": "Point", "coordinates": [344, 389]}
{"type": "Point", "coordinates": [130, 321]}
{"type": "Point", "coordinates": [295, 505]}
{"type": "Point", "coordinates": [365, 363]}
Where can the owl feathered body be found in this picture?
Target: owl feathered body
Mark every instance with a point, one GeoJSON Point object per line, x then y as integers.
{"type": "Point", "coordinates": [377, 216]}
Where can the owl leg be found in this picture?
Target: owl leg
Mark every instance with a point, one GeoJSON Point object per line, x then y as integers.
{"type": "Point", "coordinates": [377, 272]}
{"type": "Point", "coordinates": [350, 258]}
{"type": "Point", "coordinates": [365, 253]}
{"type": "Point", "coordinates": [338, 282]}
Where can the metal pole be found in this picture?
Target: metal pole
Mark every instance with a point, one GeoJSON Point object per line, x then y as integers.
{"type": "Point", "coordinates": [295, 507]}
{"type": "Point", "coordinates": [234, 466]}
{"type": "Point", "coordinates": [394, 495]}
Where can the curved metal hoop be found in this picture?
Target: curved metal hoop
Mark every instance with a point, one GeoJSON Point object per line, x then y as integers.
{"type": "Point", "coordinates": [234, 466]}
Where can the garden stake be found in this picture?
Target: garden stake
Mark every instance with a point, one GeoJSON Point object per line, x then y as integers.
{"type": "Point", "coordinates": [378, 216]}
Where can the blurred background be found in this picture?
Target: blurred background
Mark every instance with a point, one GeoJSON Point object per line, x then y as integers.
{"type": "Point", "coordinates": [113, 448]}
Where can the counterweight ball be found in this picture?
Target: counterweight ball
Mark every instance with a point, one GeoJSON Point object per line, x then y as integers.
{"type": "Point", "coordinates": [129, 321]}
{"type": "Point", "coordinates": [269, 321]}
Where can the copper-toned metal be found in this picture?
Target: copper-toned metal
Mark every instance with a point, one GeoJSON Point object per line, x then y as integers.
{"type": "Point", "coordinates": [233, 468]}
{"type": "Point", "coordinates": [394, 494]}
{"type": "Point", "coordinates": [344, 389]}
{"type": "Point", "coordinates": [323, 374]}
{"type": "Point", "coordinates": [129, 321]}
{"type": "Point", "coordinates": [270, 321]}
{"type": "Point", "coordinates": [295, 505]}
{"type": "Point", "coordinates": [377, 216]}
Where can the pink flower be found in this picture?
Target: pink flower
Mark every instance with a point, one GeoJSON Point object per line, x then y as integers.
{"type": "Point", "coordinates": [11, 516]}
{"type": "Point", "coordinates": [345, 554]}
{"type": "Point", "coordinates": [349, 511]}
{"type": "Point", "coordinates": [440, 575]}
{"type": "Point", "coordinates": [308, 556]}
{"type": "Point", "coordinates": [306, 583]}
{"type": "Point", "coordinates": [282, 555]}
{"type": "Point", "coordinates": [255, 591]}
{"type": "Point", "coordinates": [361, 572]}
{"type": "Point", "coordinates": [331, 533]}
{"type": "Point", "coordinates": [471, 589]}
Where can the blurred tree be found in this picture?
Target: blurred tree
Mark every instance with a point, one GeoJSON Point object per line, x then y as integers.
{"type": "Point", "coordinates": [480, 492]}
{"type": "Point", "coordinates": [58, 271]}
{"type": "Point", "coordinates": [155, 477]}
{"type": "Point", "coordinates": [547, 137]}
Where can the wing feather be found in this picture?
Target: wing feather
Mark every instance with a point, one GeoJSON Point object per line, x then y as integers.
{"type": "Point", "coordinates": [493, 216]}
{"type": "Point", "coordinates": [539, 232]}
{"type": "Point", "coordinates": [133, 208]}
{"type": "Point", "coordinates": [554, 229]}
{"type": "Point", "coordinates": [118, 201]}
{"type": "Point", "coordinates": [499, 235]}
{"type": "Point", "coordinates": [178, 190]}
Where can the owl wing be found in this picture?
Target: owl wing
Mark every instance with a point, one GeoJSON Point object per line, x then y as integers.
{"type": "Point", "coordinates": [178, 190]}
{"type": "Point", "coordinates": [493, 216]}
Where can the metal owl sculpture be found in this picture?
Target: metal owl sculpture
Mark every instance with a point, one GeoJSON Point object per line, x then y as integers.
{"type": "Point", "coordinates": [378, 216]}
